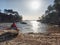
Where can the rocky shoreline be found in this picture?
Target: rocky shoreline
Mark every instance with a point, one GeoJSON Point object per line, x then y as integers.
{"type": "Point", "coordinates": [35, 39]}
{"type": "Point", "coordinates": [50, 38]}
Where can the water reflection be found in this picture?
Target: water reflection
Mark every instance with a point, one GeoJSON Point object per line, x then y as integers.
{"type": "Point", "coordinates": [35, 26]}
{"type": "Point", "coordinates": [42, 27]}
{"type": "Point", "coordinates": [38, 27]}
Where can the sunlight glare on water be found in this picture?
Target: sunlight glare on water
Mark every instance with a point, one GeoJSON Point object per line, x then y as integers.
{"type": "Point", "coordinates": [34, 26]}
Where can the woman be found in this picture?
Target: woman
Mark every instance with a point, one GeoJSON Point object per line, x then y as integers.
{"type": "Point", "coordinates": [13, 26]}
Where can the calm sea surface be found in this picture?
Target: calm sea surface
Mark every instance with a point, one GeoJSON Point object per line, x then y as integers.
{"type": "Point", "coordinates": [31, 26]}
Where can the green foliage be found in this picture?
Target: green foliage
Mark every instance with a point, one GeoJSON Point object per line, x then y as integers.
{"type": "Point", "coordinates": [10, 16]}
{"type": "Point", "coordinates": [52, 14]}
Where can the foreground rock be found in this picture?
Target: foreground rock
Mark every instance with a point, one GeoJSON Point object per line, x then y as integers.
{"type": "Point", "coordinates": [50, 38]}
{"type": "Point", "coordinates": [35, 39]}
{"type": "Point", "coordinates": [7, 35]}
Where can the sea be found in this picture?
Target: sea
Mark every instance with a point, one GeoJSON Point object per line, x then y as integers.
{"type": "Point", "coordinates": [30, 26]}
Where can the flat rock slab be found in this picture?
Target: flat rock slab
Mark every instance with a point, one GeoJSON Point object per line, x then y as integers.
{"type": "Point", "coordinates": [7, 35]}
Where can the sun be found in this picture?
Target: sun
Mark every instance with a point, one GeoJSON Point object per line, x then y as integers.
{"type": "Point", "coordinates": [34, 5]}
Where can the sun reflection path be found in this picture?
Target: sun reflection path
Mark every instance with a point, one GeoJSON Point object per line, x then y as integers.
{"type": "Point", "coordinates": [34, 26]}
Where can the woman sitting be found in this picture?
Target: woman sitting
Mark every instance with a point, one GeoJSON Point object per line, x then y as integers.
{"type": "Point", "coordinates": [13, 26]}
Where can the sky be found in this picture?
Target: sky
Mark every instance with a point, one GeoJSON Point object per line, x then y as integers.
{"type": "Point", "coordinates": [29, 9]}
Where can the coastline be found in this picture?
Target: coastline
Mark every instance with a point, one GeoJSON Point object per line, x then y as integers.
{"type": "Point", "coordinates": [35, 39]}
{"type": "Point", "coordinates": [52, 37]}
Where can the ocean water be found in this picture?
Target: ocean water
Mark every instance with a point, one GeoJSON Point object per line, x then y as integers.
{"type": "Point", "coordinates": [31, 26]}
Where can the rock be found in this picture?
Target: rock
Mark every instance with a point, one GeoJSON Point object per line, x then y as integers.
{"type": "Point", "coordinates": [23, 22]}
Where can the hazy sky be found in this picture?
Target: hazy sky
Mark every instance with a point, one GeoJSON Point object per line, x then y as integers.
{"type": "Point", "coordinates": [29, 9]}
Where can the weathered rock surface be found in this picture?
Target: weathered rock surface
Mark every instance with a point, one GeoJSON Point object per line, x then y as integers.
{"type": "Point", "coordinates": [34, 39]}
